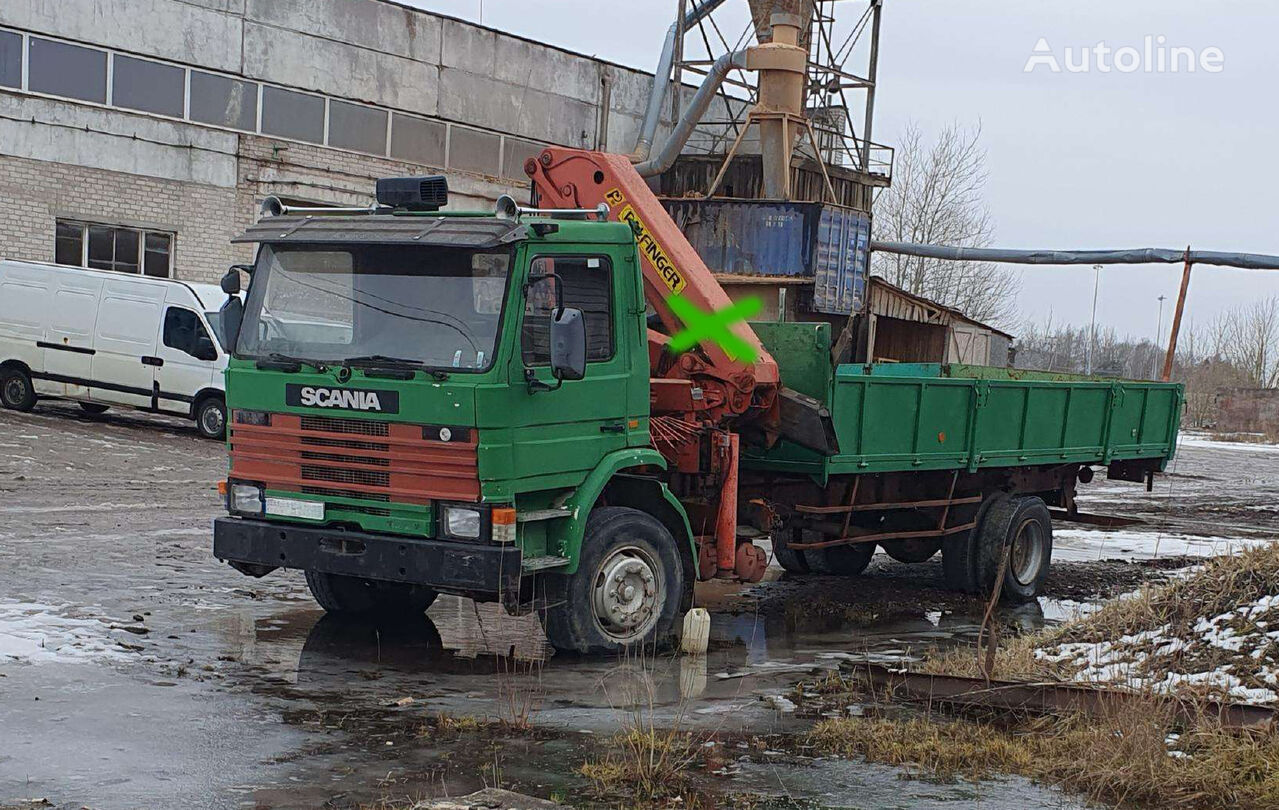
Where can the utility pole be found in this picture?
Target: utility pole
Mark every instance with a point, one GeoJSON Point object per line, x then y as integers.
{"type": "Point", "coordinates": [1159, 336]}
{"type": "Point", "coordinates": [1092, 330]}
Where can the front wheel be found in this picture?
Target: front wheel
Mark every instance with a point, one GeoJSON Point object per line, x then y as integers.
{"type": "Point", "coordinates": [627, 589]}
{"type": "Point", "coordinates": [210, 418]}
{"type": "Point", "coordinates": [16, 390]}
{"type": "Point", "coordinates": [353, 596]}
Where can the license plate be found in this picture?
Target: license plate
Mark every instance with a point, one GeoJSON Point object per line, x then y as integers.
{"type": "Point", "coordinates": [291, 507]}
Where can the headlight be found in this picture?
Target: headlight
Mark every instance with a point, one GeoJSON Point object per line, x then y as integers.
{"type": "Point", "coordinates": [245, 499]}
{"type": "Point", "coordinates": [464, 523]}
{"type": "Point", "coordinates": [256, 418]}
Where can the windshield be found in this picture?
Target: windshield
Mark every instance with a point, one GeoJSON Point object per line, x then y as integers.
{"type": "Point", "coordinates": [438, 307]}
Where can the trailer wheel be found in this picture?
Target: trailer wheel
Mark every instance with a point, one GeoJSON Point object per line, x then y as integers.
{"type": "Point", "coordinates": [16, 391]}
{"type": "Point", "coordinates": [353, 596]}
{"type": "Point", "coordinates": [911, 551]}
{"type": "Point", "coordinates": [1024, 526]}
{"type": "Point", "coordinates": [627, 588]}
{"type": "Point", "coordinates": [844, 561]}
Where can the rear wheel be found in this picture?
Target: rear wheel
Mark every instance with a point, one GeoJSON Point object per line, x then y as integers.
{"type": "Point", "coordinates": [16, 391]}
{"type": "Point", "coordinates": [210, 417]}
{"type": "Point", "coordinates": [353, 596]}
{"type": "Point", "coordinates": [844, 561]}
{"type": "Point", "coordinates": [94, 408]}
{"type": "Point", "coordinates": [1019, 523]}
{"type": "Point", "coordinates": [627, 588]}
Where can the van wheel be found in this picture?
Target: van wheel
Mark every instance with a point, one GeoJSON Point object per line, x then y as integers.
{"type": "Point", "coordinates": [353, 596]}
{"type": "Point", "coordinates": [627, 589]}
{"type": "Point", "coordinates": [16, 391]}
{"type": "Point", "coordinates": [210, 417]}
{"type": "Point", "coordinates": [94, 408]}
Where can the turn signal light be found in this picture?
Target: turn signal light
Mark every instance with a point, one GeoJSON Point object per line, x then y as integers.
{"type": "Point", "coordinates": [504, 525]}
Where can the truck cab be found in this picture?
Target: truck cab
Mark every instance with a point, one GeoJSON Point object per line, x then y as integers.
{"type": "Point", "coordinates": [423, 402]}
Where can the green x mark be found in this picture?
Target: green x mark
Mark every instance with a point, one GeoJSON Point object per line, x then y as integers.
{"type": "Point", "coordinates": [714, 326]}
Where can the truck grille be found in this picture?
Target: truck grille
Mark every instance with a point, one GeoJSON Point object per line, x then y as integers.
{"type": "Point", "coordinates": [354, 458]}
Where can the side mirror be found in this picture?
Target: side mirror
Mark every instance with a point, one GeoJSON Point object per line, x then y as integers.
{"type": "Point", "coordinates": [568, 344]}
{"type": "Point", "coordinates": [232, 316]}
{"type": "Point", "coordinates": [231, 281]}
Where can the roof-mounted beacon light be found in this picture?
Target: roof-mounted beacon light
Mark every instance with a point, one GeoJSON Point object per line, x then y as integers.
{"type": "Point", "coordinates": [414, 193]}
{"type": "Point", "coordinates": [508, 208]}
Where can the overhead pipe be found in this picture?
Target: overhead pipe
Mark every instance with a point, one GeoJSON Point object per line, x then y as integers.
{"type": "Point", "coordinates": [1246, 261]}
{"type": "Point", "coordinates": [692, 115]}
{"type": "Point", "coordinates": [662, 77]}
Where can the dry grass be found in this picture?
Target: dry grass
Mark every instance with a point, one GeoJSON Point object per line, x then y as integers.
{"type": "Point", "coordinates": [648, 764]}
{"type": "Point", "coordinates": [1122, 760]}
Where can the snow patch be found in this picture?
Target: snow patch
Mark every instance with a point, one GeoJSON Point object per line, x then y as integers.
{"type": "Point", "coordinates": [36, 633]}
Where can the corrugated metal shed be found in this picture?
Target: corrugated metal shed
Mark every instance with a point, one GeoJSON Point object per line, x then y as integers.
{"type": "Point", "coordinates": [909, 328]}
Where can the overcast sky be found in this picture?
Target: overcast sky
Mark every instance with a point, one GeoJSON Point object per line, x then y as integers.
{"type": "Point", "coordinates": [1077, 160]}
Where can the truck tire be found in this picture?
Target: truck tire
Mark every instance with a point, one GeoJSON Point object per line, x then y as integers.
{"type": "Point", "coordinates": [16, 391]}
{"type": "Point", "coordinates": [958, 551]}
{"type": "Point", "coordinates": [210, 417]}
{"type": "Point", "coordinates": [911, 551]}
{"type": "Point", "coordinates": [843, 561]}
{"type": "Point", "coordinates": [353, 596]}
{"type": "Point", "coordinates": [93, 408]}
{"type": "Point", "coordinates": [1023, 524]}
{"type": "Point", "coordinates": [789, 559]}
{"type": "Point", "coordinates": [627, 589]}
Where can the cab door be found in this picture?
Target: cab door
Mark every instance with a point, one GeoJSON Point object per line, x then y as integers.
{"type": "Point", "coordinates": [569, 428]}
{"type": "Point", "coordinates": [187, 357]}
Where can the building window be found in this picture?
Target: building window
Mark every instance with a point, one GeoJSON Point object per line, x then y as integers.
{"type": "Point", "coordinates": [292, 115]}
{"type": "Point", "coordinates": [60, 69]}
{"type": "Point", "coordinates": [147, 86]}
{"type": "Point", "coordinates": [353, 126]}
{"type": "Point", "coordinates": [224, 102]}
{"type": "Point", "coordinates": [587, 287]}
{"type": "Point", "coordinates": [10, 59]}
{"type": "Point", "coordinates": [106, 247]}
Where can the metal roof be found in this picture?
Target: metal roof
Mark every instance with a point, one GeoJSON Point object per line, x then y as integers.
{"type": "Point", "coordinates": [461, 232]}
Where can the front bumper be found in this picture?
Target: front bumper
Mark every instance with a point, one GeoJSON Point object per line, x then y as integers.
{"type": "Point", "coordinates": [486, 572]}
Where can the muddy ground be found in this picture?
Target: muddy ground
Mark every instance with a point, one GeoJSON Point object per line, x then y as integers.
{"type": "Point", "coordinates": [136, 671]}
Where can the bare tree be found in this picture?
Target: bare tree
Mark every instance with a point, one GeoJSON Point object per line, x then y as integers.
{"type": "Point", "coordinates": [1248, 338]}
{"type": "Point", "coordinates": [937, 197]}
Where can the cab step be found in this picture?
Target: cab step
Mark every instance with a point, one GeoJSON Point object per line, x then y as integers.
{"type": "Point", "coordinates": [532, 564]}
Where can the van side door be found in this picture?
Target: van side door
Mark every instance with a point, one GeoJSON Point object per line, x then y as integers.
{"type": "Point", "coordinates": [188, 355]}
{"type": "Point", "coordinates": [69, 333]}
{"type": "Point", "coordinates": [124, 360]}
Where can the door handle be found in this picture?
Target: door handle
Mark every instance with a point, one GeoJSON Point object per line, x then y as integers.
{"type": "Point", "coordinates": [612, 428]}
{"type": "Point", "coordinates": [148, 360]}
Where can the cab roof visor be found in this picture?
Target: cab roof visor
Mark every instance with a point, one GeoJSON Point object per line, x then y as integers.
{"type": "Point", "coordinates": [477, 233]}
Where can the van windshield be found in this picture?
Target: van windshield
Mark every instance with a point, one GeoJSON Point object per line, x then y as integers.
{"type": "Point", "coordinates": [431, 306]}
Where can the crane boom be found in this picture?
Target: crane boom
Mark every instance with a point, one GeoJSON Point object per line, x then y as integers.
{"type": "Point", "coordinates": [729, 388]}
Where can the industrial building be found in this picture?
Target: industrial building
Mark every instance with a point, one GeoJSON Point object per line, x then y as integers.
{"type": "Point", "coordinates": [143, 140]}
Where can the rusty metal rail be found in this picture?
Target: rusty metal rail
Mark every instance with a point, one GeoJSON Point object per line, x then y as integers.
{"type": "Point", "coordinates": [1048, 697]}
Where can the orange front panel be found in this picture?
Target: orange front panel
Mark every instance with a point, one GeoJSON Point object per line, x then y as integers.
{"type": "Point", "coordinates": [355, 458]}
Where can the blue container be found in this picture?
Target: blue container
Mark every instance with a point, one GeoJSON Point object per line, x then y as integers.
{"type": "Point", "coordinates": [828, 244]}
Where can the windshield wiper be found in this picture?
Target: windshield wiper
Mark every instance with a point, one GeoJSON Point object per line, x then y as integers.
{"type": "Point", "coordinates": [275, 361]}
{"type": "Point", "coordinates": [372, 362]}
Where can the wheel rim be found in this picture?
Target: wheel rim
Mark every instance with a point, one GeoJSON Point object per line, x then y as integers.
{"type": "Point", "coordinates": [1027, 555]}
{"type": "Point", "coordinates": [15, 390]}
{"type": "Point", "coordinates": [211, 419]}
{"type": "Point", "coordinates": [626, 594]}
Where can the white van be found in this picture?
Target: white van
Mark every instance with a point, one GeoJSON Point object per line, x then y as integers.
{"type": "Point", "coordinates": [108, 339]}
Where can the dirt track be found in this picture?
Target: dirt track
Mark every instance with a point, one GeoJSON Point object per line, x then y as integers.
{"type": "Point", "coordinates": [136, 671]}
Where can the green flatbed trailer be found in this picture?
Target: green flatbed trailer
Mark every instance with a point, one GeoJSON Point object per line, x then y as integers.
{"type": "Point", "coordinates": [924, 450]}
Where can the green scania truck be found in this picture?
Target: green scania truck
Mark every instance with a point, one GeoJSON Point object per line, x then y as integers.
{"type": "Point", "coordinates": [485, 404]}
